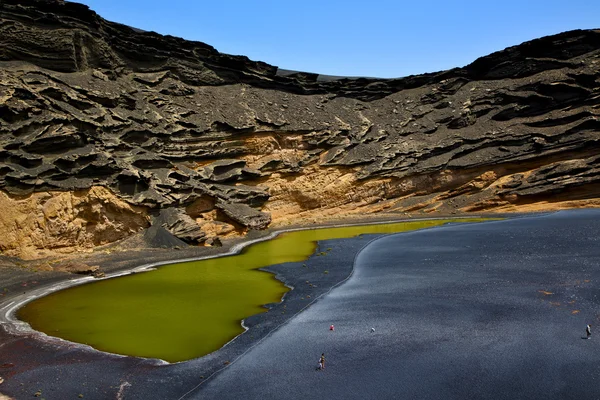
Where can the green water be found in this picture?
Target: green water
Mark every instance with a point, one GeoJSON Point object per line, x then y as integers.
{"type": "Point", "coordinates": [186, 310]}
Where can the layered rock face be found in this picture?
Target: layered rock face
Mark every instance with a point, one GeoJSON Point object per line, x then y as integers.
{"type": "Point", "coordinates": [171, 132]}
{"type": "Point", "coordinates": [43, 223]}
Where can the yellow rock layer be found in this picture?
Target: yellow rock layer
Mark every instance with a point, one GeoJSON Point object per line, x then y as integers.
{"type": "Point", "coordinates": [46, 223]}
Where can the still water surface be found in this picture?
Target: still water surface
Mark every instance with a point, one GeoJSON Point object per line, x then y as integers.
{"type": "Point", "coordinates": [183, 311]}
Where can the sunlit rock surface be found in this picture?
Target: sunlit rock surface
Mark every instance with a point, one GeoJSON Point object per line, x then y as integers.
{"type": "Point", "coordinates": [161, 123]}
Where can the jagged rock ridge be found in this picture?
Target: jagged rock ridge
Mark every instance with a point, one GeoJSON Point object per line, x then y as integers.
{"type": "Point", "coordinates": [213, 145]}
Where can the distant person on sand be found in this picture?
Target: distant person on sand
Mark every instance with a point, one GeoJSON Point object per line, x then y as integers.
{"type": "Point", "coordinates": [322, 362]}
{"type": "Point", "coordinates": [588, 331]}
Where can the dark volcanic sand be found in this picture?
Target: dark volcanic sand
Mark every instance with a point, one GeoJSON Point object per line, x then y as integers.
{"type": "Point", "coordinates": [62, 369]}
{"type": "Point", "coordinates": [458, 312]}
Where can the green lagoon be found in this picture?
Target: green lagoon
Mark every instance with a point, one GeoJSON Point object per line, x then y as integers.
{"type": "Point", "coordinates": [186, 310]}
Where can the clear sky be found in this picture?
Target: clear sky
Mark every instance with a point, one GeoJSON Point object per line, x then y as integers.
{"type": "Point", "coordinates": [378, 38]}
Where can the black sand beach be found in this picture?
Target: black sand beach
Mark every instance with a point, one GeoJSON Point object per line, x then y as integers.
{"type": "Point", "coordinates": [108, 375]}
{"type": "Point", "coordinates": [491, 310]}
{"type": "Point", "coordinates": [495, 310]}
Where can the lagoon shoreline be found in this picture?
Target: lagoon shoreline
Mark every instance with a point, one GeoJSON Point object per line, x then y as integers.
{"type": "Point", "coordinates": [19, 277]}
{"type": "Point", "coordinates": [23, 354]}
{"type": "Point", "coordinates": [491, 310]}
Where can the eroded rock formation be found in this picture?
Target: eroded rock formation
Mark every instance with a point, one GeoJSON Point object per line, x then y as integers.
{"type": "Point", "coordinates": [212, 145]}
{"type": "Point", "coordinates": [42, 223]}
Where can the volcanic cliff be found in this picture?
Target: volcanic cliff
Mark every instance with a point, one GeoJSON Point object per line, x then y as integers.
{"type": "Point", "coordinates": [107, 131]}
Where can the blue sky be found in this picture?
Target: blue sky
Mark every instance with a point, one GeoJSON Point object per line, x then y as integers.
{"type": "Point", "coordinates": [379, 38]}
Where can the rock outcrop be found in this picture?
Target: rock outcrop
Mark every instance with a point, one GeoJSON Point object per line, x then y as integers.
{"type": "Point", "coordinates": [228, 144]}
{"type": "Point", "coordinates": [44, 223]}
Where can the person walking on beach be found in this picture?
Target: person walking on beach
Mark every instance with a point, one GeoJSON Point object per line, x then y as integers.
{"type": "Point", "coordinates": [588, 331]}
{"type": "Point", "coordinates": [322, 362]}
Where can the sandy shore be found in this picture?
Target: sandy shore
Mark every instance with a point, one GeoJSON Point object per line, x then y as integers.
{"type": "Point", "coordinates": [19, 283]}
{"type": "Point", "coordinates": [495, 310]}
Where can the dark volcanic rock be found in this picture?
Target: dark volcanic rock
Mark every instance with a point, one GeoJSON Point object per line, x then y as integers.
{"type": "Point", "coordinates": [165, 122]}
{"type": "Point", "coordinates": [223, 170]}
{"type": "Point", "coordinates": [245, 215]}
{"type": "Point", "coordinates": [180, 225]}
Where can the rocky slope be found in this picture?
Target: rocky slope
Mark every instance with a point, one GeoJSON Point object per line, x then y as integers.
{"type": "Point", "coordinates": [106, 130]}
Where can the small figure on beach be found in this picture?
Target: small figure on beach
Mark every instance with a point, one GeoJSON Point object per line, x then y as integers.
{"type": "Point", "coordinates": [321, 362]}
{"type": "Point", "coordinates": [372, 330]}
{"type": "Point", "coordinates": [588, 331]}
{"type": "Point", "coordinates": [331, 328]}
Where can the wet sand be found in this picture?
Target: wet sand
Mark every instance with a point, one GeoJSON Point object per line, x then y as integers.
{"type": "Point", "coordinates": [279, 341]}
